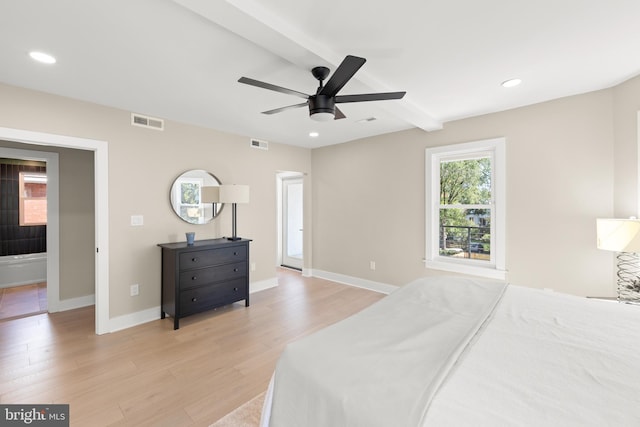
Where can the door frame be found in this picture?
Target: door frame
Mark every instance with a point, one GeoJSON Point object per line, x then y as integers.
{"type": "Point", "coordinates": [280, 177]}
{"type": "Point", "coordinates": [101, 183]}
{"type": "Point", "coordinates": [286, 260]}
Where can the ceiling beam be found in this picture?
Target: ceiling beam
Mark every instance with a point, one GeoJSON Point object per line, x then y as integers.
{"type": "Point", "coordinates": [250, 20]}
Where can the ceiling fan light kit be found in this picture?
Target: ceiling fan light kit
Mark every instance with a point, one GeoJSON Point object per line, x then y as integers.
{"type": "Point", "coordinates": [322, 108]}
{"type": "Point", "coordinates": [322, 105]}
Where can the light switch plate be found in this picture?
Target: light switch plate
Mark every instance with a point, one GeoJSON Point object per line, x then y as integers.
{"type": "Point", "coordinates": [137, 220]}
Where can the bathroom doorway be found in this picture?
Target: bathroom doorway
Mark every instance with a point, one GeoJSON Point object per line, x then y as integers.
{"type": "Point", "coordinates": [25, 206]}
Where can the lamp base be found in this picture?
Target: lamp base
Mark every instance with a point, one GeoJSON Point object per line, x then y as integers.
{"type": "Point", "coordinates": [628, 278]}
{"type": "Point", "coordinates": [234, 238]}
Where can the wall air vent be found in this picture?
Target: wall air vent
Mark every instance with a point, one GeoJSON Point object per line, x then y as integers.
{"type": "Point", "coordinates": [256, 143]}
{"type": "Point", "coordinates": [147, 122]}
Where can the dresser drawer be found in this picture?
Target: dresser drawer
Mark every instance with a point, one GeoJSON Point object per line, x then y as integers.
{"type": "Point", "coordinates": [209, 257]}
{"type": "Point", "coordinates": [207, 297]}
{"type": "Point", "coordinates": [203, 276]}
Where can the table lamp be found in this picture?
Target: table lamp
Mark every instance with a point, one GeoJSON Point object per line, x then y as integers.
{"type": "Point", "coordinates": [234, 194]}
{"type": "Point", "coordinates": [623, 236]}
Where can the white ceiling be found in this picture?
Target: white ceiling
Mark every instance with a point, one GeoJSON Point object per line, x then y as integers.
{"type": "Point", "coordinates": [181, 59]}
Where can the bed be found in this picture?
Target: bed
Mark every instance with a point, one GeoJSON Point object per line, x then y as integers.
{"type": "Point", "coordinates": [448, 351]}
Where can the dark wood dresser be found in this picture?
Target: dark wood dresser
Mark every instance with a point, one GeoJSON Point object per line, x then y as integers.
{"type": "Point", "coordinates": [203, 276]}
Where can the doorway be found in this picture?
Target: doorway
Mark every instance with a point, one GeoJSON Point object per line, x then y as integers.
{"type": "Point", "coordinates": [291, 220]}
{"type": "Point", "coordinates": [29, 262]}
{"type": "Point", "coordinates": [100, 151]}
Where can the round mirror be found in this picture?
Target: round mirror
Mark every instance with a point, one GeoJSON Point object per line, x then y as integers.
{"type": "Point", "coordinates": [192, 197]}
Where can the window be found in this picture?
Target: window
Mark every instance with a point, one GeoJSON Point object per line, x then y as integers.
{"type": "Point", "coordinates": [465, 224]}
{"type": "Point", "coordinates": [33, 198]}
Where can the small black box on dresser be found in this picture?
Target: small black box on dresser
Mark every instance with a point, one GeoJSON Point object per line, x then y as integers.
{"type": "Point", "coordinates": [199, 277]}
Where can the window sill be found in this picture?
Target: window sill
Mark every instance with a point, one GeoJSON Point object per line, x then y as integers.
{"type": "Point", "coordinates": [454, 267]}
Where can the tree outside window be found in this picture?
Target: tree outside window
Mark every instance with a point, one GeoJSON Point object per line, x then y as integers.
{"type": "Point", "coordinates": [465, 208]}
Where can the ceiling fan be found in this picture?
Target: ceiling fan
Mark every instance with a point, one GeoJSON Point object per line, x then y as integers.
{"type": "Point", "coordinates": [322, 105]}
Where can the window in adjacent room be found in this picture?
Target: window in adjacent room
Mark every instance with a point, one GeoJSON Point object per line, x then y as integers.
{"type": "Point", "coordinates": [465, 208]}
{"type": "Point", "coordinates": [33, 198]}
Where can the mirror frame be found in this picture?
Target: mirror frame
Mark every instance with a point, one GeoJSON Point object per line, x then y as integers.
{"type": "Point", "coordinates": [194, 211]}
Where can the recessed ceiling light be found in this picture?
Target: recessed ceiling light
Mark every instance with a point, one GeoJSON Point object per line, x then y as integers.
{"type": "Point", "coordinates": [314, 134]}
{"type": "Point", "coordinates": [45, 58]}
{"type": "Point", "coordinates": [511, 83]}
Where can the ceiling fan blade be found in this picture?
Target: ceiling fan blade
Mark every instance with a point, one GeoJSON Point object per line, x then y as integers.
{"type": "Point", "coordinates": [369, 97]}
{"type": "Point", "coordinates": [342, 75]}
{"type": "Point", "coordinates": [258, 83]}
{"type": "Point", "coordinates": [338, 114]}
{"type": "Point", "coordinates": [289, 107]}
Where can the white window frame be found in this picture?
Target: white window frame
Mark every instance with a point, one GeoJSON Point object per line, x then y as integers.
{"type": "Point", "coordinates": [494, 148]}
{"type": "Point", "coordinates": [26, 178]}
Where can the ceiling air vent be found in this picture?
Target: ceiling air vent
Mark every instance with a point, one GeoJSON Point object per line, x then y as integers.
{"type": "Point", "coordinates": [147, 122]}
{"type": "Point", "coordinates": [256, 143]}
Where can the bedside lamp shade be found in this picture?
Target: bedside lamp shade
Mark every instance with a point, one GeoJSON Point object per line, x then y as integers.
{"type": "Point", "coordinates": [619, 235]}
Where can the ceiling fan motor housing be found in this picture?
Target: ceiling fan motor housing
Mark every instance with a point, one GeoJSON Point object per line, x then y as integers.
{"type": "Point", "coordinates": [321, 104]}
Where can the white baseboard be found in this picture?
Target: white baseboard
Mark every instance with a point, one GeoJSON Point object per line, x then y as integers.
{"type": "Point", "coordinates": [73, 303]}
{"type": "Point", "coordinates": [138, 318]}
{"type": "Point", "coordinates": [262, 285]}
{"type": "Point", "coordinates": [354, 281]}
{"type": "Point", "coordinates": [134, 319]}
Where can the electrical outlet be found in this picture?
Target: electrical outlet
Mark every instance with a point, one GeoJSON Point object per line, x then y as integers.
{"type": "Point", "coordinates": [134, 290]}
{"type": "Point", "coordinates": [137, 220]}
{"type": "Point", "coordinates": [253, 266]}
{"type": "Point", "coordinates": [372, 265]}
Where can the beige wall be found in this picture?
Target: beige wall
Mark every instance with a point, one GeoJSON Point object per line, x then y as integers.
{"type": "Point", "coordinates": [369, 196]}
{"type": "Point", "coordinates": [142, 166]}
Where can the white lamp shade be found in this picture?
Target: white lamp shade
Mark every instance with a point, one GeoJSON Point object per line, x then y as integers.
{"type": "Point", "coordinates": [210, 194]}
{"type": "Point", "coordinates": [619, 235]}
{"type": "Point", "coordinates": [234, 193]}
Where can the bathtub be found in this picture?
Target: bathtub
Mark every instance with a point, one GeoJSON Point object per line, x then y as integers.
{"type": "Point", "coordinates": [23, 269]}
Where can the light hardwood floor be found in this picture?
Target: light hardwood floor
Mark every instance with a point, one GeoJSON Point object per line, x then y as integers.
{"type": "Point", "coordinates": [151, 375]}
{"type": "Point", "coordinates": [24, 300]}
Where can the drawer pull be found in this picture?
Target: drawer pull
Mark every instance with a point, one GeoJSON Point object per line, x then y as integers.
{"type": "Point", "coordinates": [235, 270]}
{"type": "Point", "coordinates": [194, 259]}
{"type": "Point", "coordinates": [235, 253]}
{"type": "Point", "coordinates": [194, 278]}
{"type": "Point", "coordinates": [235, 289]}
{"type": "Point", "coordinates": [194, 299]}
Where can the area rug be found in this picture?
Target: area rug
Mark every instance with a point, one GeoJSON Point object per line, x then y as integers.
{"type": "Point", "coordinates": [247, 415]}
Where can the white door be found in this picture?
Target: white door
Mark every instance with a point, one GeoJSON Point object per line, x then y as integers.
{"type": "Point", "coordinates": [292, 248]}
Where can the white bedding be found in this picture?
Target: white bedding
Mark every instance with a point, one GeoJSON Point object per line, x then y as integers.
{"type": "Point", "coordinates": [436, 353]}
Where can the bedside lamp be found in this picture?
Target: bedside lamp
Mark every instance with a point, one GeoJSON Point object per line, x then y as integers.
{"type": "Point", "coordinates": [234, 194]}
{"type": "Point", "coordinates": [623, 236]}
